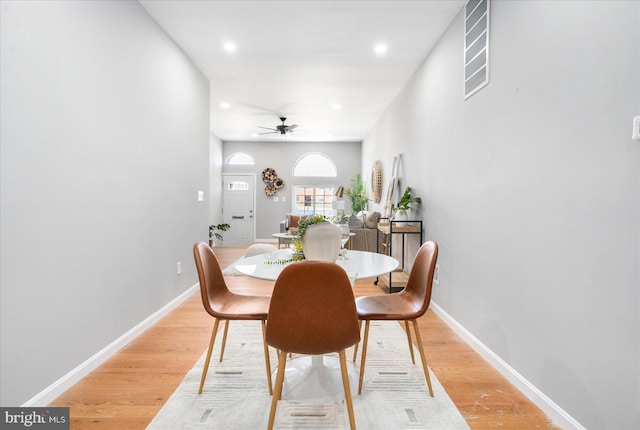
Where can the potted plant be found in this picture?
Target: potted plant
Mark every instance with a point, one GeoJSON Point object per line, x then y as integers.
{"type": "Point", "coordinates": [402, 209]}
{"type": "Point", "coordinates": [214, 229]}
{"type": "Point", "coordinates": [357, 194]}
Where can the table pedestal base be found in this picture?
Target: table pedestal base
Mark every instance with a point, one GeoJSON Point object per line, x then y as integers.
{"type": "Point", "coordinates": [317, 379]}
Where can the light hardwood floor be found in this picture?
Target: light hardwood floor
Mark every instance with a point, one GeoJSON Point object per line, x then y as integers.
{"type": "Point", "coordinates": [129, 389]}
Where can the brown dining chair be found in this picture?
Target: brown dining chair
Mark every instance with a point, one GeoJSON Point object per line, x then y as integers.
{"type": "Point", "coordinates": [224, 305]}
{"type": "Point", "coordinates": [312, 312]}
{"type": "Point", "coordinates": [407, 305]}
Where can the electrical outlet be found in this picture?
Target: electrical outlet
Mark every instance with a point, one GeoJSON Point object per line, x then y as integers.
{"type": "Point", "coordinates": [436, 274]}
{"type": "Point", "coordinates": [179, 268]}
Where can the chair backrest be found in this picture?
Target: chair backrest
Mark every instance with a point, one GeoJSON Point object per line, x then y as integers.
{"type": "Point", "coordinates": [312, 309]}
{"type": "Point", "coordinates": [213, 289]}
{"type": "Point", "coordinates": [420, 282]}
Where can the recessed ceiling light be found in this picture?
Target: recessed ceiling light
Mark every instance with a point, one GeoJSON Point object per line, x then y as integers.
{"type": "Point", "coordinates": [229, 47]}
{"type": "Point", "coordinates": [225, 105]}
{"type": "Point", "coordinates": [380, 49]}
{"type": "Point", "coordinates": [335, 106]}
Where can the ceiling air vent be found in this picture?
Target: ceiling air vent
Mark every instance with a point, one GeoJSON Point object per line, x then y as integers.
{"type": "Point", "coordinates": [476, 46]}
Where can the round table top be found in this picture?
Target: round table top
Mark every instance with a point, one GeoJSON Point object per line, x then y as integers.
{"type": "Point", "coordinates": [291, 236]}
{"type": "Point", "coordinates": [284, 235]}
{"type": "Point", "coordinates": [359, 264]}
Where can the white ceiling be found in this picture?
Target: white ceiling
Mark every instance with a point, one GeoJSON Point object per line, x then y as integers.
{"type": "Point", "coordinates": [298, 58]}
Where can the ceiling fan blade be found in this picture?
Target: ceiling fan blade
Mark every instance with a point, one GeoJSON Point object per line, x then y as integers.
{"type": "Point", "coordinates": [270, 132]}
{"type": "Point", "coordinates": [267, 128]}
{"type": "Point", "coordinates": [292, 126]}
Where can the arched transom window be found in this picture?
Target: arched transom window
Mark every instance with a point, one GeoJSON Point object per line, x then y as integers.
{"type": "Point", "coordinates": [315, 164]}
{"type": "Point", "coordinates": [240, 158]}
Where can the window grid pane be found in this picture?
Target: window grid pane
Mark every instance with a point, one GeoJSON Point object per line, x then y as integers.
{"type": "Point", "coordinates": [314, 200]}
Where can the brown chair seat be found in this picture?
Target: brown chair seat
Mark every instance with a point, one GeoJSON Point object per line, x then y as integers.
{"type": "Point", "coordinates": [241, 307]}
{"type": "Point", "coordinates": [391, 307]}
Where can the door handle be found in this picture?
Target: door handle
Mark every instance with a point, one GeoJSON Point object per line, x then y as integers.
{"type": "Point", "coordinates": [237, 216]}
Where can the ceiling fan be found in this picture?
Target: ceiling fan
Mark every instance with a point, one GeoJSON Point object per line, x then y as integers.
{"type": "Point", "coordinates": [281, 129]}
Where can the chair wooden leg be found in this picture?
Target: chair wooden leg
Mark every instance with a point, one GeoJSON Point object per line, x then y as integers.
{"type": "Point", "coordinates": [224, 338]}
{"type": "Point", "coordinates": [355, 347]}
{"type": "Point", "coordinates": [278, 353]}
{"type": "Point", "coordinates": [422, 356]}
{"type": "Point", "coordinates": [406, 326]}
{"type": "Point", "coordinates": [267, 360]}
{"type": "Point", "coordinates": [206, 363]}
{"type": "Point", "coordinates": [364, 355]}
{"type": "Point", "coordinates": [347, 388]}
{"type": "Point", "coordinates": [282, 362]}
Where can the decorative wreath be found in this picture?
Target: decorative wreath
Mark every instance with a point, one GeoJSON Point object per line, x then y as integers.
{"type": "Point", "coordinates": [376, 181]}
{"type": "Point", "coordinates": [270, 190]}
{"type": "Point", "coordinates": [278, 183]}
{"type": "Point", "coordinates": [269, 175]}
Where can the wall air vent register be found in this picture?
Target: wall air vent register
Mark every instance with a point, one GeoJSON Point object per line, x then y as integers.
{"type": "Point", "coordinates": [476, 46]}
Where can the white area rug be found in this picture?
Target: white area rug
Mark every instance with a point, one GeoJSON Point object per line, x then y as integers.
{"type": "Point", "coordinates": [235, 397]}
{"type": "Point", "coordinates": [231, 270]}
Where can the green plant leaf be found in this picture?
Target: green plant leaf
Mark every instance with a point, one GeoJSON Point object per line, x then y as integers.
{"type": "Point", "coordinates": [357, 194]}
{"type": "Point", "coordinates": [214, 228]}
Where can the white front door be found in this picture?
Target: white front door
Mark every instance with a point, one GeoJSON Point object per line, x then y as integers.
{"type": "Point", "coordinates": [238, 199]}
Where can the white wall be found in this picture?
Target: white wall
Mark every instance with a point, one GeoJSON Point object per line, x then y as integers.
{"type": "Point", "coordinates": [104, 145]}
{"type": "Point", "coordinates": [215, 182]}
{"type": "Point", "coordinates": [282, 157]}
{"type": "Point", "coordinates": [531, 187]}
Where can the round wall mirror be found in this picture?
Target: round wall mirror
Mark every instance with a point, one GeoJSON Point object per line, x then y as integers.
{"type": "Point", "coordinates": [376, 181]}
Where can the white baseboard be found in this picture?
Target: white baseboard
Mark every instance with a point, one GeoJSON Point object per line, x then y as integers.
{"type": "Point", "coordinates": [558, 415]}
{"type": "Point", "coordinates": [53, 391]}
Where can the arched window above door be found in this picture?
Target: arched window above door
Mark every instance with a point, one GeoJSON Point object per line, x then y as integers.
{"type": "Point", "coordinates": [240, 158]}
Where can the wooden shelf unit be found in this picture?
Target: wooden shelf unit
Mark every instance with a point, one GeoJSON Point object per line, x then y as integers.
{"type": "Point", "coordinates": [397, 279]}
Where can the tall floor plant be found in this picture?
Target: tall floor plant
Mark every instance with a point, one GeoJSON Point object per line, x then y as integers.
{"type": "Point", "coordinates": [357, 194]}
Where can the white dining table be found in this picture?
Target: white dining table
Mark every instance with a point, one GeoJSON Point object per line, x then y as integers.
{"type": "Point", "coordinates": [359, 264]}
{"type": "Point", "coordinates": [317, 378]}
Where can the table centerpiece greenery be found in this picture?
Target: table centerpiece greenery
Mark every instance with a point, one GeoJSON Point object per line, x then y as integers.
{"type": "Point", "coordinates": [303, 226]}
